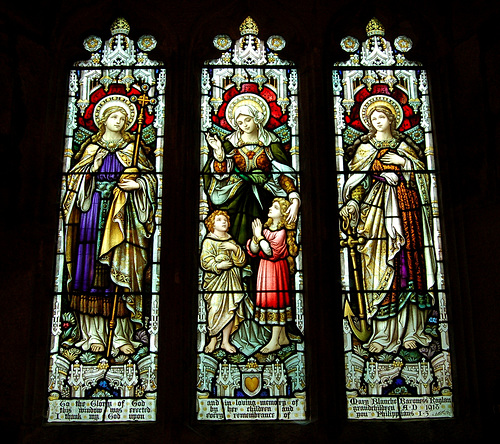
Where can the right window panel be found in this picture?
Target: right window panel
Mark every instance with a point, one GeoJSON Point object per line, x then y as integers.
{"type": "Point", "coordinates": [396, 347]}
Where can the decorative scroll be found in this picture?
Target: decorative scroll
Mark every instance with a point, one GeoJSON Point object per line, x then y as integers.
{"type": "Point", "coordinates": [250, 346]}
{"type": "Point", "coordinates": [396, 346]}
{"type": "Point", "coordinates": [104, 347]}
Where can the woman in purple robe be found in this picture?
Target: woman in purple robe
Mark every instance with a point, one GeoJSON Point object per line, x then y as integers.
{"type": "Point", "coordinates": [109, 216]}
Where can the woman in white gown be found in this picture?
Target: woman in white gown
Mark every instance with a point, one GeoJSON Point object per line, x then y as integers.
{"type": "Point", "coordinates": [386, 201]}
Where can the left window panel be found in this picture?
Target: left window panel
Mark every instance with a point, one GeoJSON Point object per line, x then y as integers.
{"type": "Point", "coordinates": [104, 338]}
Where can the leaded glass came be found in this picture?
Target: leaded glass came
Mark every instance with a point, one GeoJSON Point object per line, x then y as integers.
{"type": "Point", "coordinates": [396, 347]}
{"type": "Point", "coordinates": [103, 357]}
{"type": "Point", "coordinates": [250, 346]}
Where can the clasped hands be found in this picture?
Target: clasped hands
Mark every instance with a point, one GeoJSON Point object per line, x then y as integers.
{"type": "Point", "coordinates": [226, 264]}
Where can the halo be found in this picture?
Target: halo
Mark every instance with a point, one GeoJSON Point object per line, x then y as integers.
{"type": "Point", "coordinates": [247, 99]}
{"type": "Point", "coordinates": [380, 99]}
{"type": "Point", "coordinates": [116, 100]}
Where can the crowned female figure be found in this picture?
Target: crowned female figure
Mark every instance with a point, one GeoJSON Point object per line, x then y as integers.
{"type": "Point", "coordinates": [109, 216]}
{"type": "Point", "coordinates": [386, 201]}
{"type": "Point", "coordinates": [249, 167]}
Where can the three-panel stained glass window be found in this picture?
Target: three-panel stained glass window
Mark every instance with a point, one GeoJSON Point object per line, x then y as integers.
{"type": "Point", "coordinates": [250, 323]}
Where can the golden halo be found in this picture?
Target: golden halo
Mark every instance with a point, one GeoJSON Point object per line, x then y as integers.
{"type": "Point", "coordinates": [377, 100]}
{"type": "Point", "coordinates": [251, 99]}
{"type": "Point", "coordinates": [115, 100]}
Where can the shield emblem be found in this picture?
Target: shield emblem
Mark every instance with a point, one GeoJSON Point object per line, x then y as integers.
{"type": "Point", "coordinates": [251, 383]}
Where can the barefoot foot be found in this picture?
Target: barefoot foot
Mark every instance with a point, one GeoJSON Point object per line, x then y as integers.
{"type": "Point", "coordinates": [211, 345]}
{"type": "Point", "coordinates": [269, 348]}
{"type": "Point", "coordinates": [284, 341]}
{"type": "Point", "coordinates": [127, 349]}
{"type": "Point", "coordinates": [230, 348]}
{"type": "Point", "coordinates": [97, 348]}
{"type": "Point", "coordinates": [375, 347]}
{"type": "Point", "coordinates": [410, 345]}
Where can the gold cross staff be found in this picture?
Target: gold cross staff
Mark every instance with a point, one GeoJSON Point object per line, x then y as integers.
{"type": "Point", "coordinates": [130, 172]}
{"type": "Point", "coordinates": [142, 100]}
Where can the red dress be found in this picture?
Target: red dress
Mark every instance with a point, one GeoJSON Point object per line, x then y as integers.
{"type": "Point", "coordinates": [273, 305]}
{"type": "Point", "coordinates": [410, 262]}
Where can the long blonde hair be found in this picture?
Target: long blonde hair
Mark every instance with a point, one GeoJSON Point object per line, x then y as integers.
{"type": "Point", "coordinates": [291, 231]}
{"type": "Point", "coordinates": [390, 117]}
{"type": "Point", "coordinates": [351, 150]}
{"type": "Point", "coordinates": [101, 124]}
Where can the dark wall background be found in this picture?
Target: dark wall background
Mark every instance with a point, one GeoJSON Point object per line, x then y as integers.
{"type": "Point", "coordinates": [460, 47]}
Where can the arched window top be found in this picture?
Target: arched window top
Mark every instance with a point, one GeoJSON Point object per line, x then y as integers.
{"type": "Point", "coordinates": [396, 344]}
{"type": "Point", "coordinates": [104, 343]}
{"type": "Point", "coordinates": [249, 49]}
{"type": "Point", "coordinates": [376, 50]}
{"type": "Point", "coordinates": [250, 320]}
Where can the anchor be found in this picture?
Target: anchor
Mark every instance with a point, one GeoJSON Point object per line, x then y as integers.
{"type": "Point", "coordinates": [364, 331]}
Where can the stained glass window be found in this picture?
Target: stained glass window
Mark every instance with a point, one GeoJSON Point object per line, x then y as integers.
{"type": "Point", "coordinates": [103, 357]}
{"type": "Point", "coordinates": [250, 331]}
{"type": "Point", "coordinates": [396, 345]}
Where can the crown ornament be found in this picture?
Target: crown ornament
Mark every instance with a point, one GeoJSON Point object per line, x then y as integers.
{"type": "Point", "coordinates": [249, 27]}
{"type": "Point", "coordinates": [374, 27]}
{"type": "Point", "coordinates": [120, 26]}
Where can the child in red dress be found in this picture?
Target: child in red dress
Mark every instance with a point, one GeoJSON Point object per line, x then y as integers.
{"type": "Point", "coordinates": [274, 243]}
